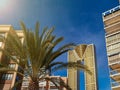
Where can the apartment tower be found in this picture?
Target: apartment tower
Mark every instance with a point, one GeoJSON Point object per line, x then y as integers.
{"type": "Point", "coordinates": [8, 79]}
{"type": "Point", "coordinates": [86, 55]}
{"type": "Point", "coordinates": [111, 19]}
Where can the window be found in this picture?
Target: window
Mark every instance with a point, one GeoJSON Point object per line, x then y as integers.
{"type": "Point", "coordinates": [0, 44]}
{"type": "Point", "coordinates": [11, 65]}
{"type": "Point", "coordinates": [7, 76]}
{"type": "Point", "coordinates": [113, 39]}
{"type": "Point", "coordinates": [2, 34]}
{"type": "Point", "coordinates": [115, 46]}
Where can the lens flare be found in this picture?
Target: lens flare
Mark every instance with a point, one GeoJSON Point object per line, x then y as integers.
{"type": "Point", "coordinates": [3, 3]}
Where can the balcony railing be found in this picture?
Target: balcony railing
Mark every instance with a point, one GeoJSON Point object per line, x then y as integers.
{"type": "Point", "coordinates": [114, 61]}
{"type": "Point", "coordinates": [115, 84]}
{"type": "Point", "coordinates": [25, 84]}
{"type": "Point", "coordinates": [114, 72]}
{"type": "Point", "coordinates": [113, 51]}
{"type": "Point", "coordinates": [111, 11]}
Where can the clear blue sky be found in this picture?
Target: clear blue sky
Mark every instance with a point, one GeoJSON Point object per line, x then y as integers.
{"type": "Point", "coordinates": [79, 21]}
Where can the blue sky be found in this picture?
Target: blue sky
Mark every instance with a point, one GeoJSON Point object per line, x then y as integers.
{"type": "Point", "coordinates": [79, 21]}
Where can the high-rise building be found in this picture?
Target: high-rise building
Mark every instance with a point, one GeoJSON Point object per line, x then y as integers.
{"type": "Point", "coordinates": [86, 55]}
{"type": "Point", "coordinates": [8, 79]}
{"type": "Point", "coordinates": [111, 19]}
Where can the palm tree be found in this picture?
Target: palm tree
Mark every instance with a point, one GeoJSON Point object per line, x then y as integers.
{"type": "Point", "coordinates": [36, 54]}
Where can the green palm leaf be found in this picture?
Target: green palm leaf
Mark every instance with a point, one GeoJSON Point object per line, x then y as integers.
{"type": "Point", "coordinates": [37, 53]}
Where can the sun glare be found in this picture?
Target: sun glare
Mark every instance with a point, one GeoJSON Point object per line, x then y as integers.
{"type": "Point", "coordinates": [3, 3]}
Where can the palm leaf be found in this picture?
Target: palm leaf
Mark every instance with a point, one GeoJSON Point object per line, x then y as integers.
{"type": "Point", "coordinates": [38, 52]}
{"type": "Point", "coordinates": [72, 65]}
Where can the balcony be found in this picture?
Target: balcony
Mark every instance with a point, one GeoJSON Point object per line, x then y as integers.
{"type": "Point", "coordinates": [112, 20]}
{"type": "Point", "coordinates": [113, 51]}
{"type": "Point", "coordinates": [113, 27]}
{"type": "Point", "coordinates": [116, 88]}
{"type": "Point", "coordinates": [114, 61]}
{"type": "Point", "coordinates": [115, 76]}
{"type": "Point", "coordinates": [25, 84]}
{"type": "Point", "coordinates": [115, 85]}
{"type": "Point", "coordinates": [114, 72]}
{"type": "Point", "coordinates": [112, 42]}
{"type": "Point", "coordinates": [115, 66]}
{"type": "Point", "coordinates": [113, 10]}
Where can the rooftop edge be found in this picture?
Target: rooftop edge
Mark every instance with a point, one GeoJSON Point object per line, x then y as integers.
{"type": "Point", "coordinates": [111, 11]}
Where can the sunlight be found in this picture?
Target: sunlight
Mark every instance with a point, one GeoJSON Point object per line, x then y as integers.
{"type": "Point", "coordinates": [3, 3]}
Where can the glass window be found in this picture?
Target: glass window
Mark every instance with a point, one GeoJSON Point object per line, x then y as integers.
{"type": "Point", "coordinates": [2, 34]}
{"type": "Point", "coordinates": [3, 76]}
{"type": "Point", "coordinates": [115, 46]}
{"type": "Point", "coordinates": [0, 44]}
{"type": "Point", "coordinates": [113, 39]}
{"type": "Point", "coordinates": [11, 65]}
{"type": "Point", "coordinates": [7, 76]}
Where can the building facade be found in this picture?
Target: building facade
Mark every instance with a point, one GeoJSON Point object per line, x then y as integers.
{"type": "Point", "coordinates": [8, 79]}
{"type": "Point", "coordinates": [44, 84]}
{"type": "Point", "coordinates": [86, 55]}
{"type": "Point", "coordinates": [111, 19]}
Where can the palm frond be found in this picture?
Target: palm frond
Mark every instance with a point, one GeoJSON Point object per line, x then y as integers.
{"type": "Point", "coordinates": [65, 48]}
{"type": "Point", "coordinates": [58, 83]}
{"type": "Point", "coordinates": [38, 51]}
{"type": "Point", "coordinates": [54, 64]}
{"type": "Point", "coordinates": [72, 65]}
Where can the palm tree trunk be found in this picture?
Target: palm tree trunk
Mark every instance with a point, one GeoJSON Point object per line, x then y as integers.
{"type": "Point", "coordinates": [47, 85]}
{"type": "Point", "coordinates": [33, 85]}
